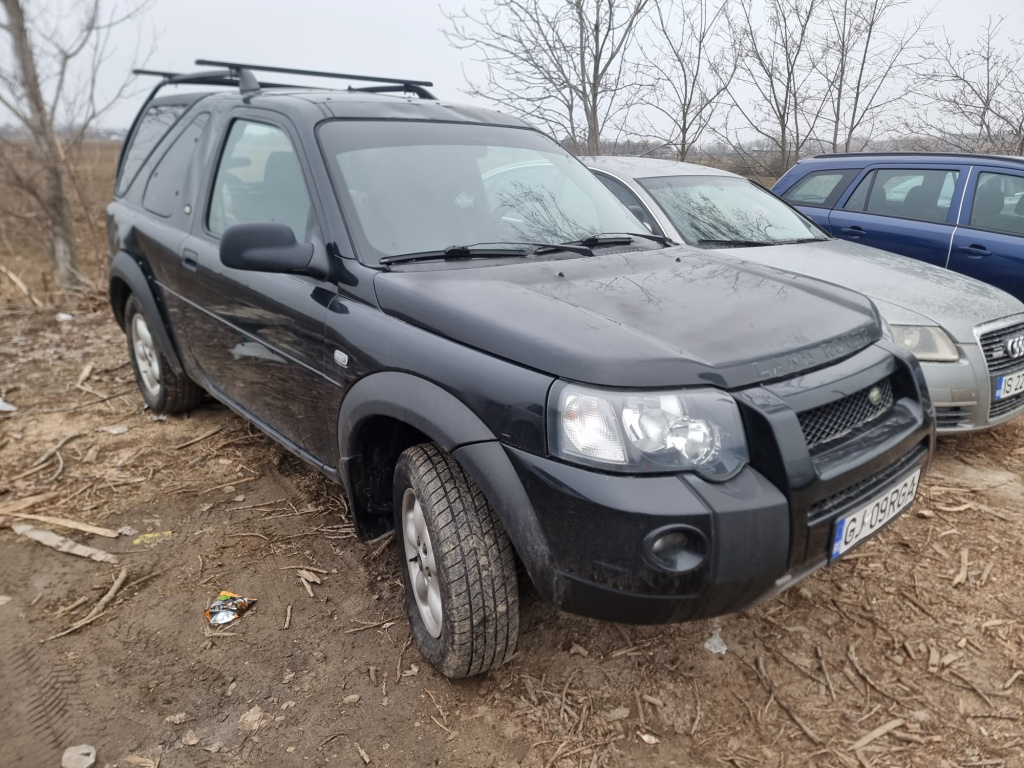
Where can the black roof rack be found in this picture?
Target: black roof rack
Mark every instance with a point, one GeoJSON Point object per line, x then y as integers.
{"type": "Point", "coordinates": [977, 155]}
{"type": "Point", "coordinates": [235, 75]}
{"type": "Point", "coordinates": [234, 66]}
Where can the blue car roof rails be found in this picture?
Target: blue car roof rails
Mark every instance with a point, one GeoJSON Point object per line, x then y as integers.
{"type": "Point", "coordinates": [972, 155]}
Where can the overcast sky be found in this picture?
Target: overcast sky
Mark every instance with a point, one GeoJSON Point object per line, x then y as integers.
{"type": "Point", "coordinates": [398, 38]}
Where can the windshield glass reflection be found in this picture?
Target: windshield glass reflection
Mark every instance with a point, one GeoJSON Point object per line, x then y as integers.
{"type": "Point", "coordinates": [714, 211]}
{"type": "Point", "coordinates": [417, 187]}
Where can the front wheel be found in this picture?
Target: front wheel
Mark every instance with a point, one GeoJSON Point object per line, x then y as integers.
{"type": "Point", "coordinates": [163, 390]}
{"type": "Point", "coordinates": [457, 564]}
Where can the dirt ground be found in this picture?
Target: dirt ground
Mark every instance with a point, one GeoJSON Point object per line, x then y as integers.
{"type": "Point", "coordinates": [919, 631]}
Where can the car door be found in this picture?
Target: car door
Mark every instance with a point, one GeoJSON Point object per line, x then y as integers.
{"type": "Point", "coordinates": [258, 337]}
{"type": "Point", "coordinates": [909, 209]}
{"type": "Point", "coordinates": [988, 243]}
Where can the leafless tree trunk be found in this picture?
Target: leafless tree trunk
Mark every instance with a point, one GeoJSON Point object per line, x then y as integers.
{"type": "Point", "coordinates": [975, 96]}
{"type": "Point", "coordinates": [562, 64]}
{"type": "Point", "coordinates": [688, 69]}
{"type": "Point", "coordinates": [777, 68]}
{"type": "Point", "coordinates": [866, 67]}
{"type": "Point", "coordinates": [51, 91]}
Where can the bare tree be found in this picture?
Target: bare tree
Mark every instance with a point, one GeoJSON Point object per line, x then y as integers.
{"type": "Point", "coordinates": [50, 88]}
{"type": "Point", "coordinates": [975, 96]}
{"type": "Point", "coordinates": [688, 69]}
{"type": "Point", "coordinates": [777, 70]}
{"type": "Point", "coordinates": [866, 65]}
{"type": "Point", "coordinates": [560, 63]}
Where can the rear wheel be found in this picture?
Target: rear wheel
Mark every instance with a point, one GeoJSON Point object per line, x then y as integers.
{"type": "Point", "coordinates": [163, 390]}
{"type": "Point", "coordinates": [457, 564]}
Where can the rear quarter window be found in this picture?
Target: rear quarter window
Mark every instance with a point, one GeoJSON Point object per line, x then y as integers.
{"type": "Point", "coordinates": [154, 125]}
{"type": "Point", "coordinates": [820, 188]}
{"type": "Point", "coordinates": [166, 189]}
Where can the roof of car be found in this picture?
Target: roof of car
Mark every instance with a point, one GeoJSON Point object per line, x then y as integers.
{"type": "Point", "coordinates": [647, 167]}
{"type": "Point", "coordinates": [352, 103]}
{"type": "Point", "coordinates": [854, 159]}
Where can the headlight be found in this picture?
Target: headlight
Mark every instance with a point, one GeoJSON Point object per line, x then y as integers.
{"type": "Point", "coordinates": [928, 343]}
{"type": "Point", "coordinates": [696, 430]}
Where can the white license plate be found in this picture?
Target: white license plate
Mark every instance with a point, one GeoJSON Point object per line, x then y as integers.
{"type": "Point", "coordinates": [853, 528]}
{"type": "Point", "coordinates": [1008, 386]}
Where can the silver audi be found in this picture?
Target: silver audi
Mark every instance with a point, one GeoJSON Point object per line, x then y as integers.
{"type": "Point", "coordinates": [969, 336]}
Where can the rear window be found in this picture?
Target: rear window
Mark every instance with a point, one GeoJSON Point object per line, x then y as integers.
{"type": "Point", "coordinates": [153, 126]}
{"type": "Point", "coordinates": [820, 188]}
{"type": "Point", "coordinates": [924, 195]}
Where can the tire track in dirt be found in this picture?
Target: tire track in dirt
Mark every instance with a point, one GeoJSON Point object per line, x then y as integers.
{"type": "Point", "coordinates": [36, 708]}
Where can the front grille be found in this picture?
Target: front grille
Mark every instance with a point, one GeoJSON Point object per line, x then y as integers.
{"type": "Point", "coordinates": [947, 418]}
{"type": "Point", "coordinates": [1002, 407]}
{"type": "Point", "coordinates": [993, 344]}
{"type": "Point", "coordinates": [836, 419]}
{"type": "Point", "coordinates": [864, 489]}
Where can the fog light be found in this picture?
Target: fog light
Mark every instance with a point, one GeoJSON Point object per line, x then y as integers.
{"type": "Point", "coordinates": [678, 548]}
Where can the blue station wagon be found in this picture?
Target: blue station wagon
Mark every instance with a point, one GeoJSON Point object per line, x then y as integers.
{"type": "Point", "coordinates": [961, 212]}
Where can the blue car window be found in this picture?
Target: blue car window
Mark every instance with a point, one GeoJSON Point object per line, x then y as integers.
{"type": "Point", "coordinates": [999, 203]}
{"type": "Point", "coordinates": [922, 194]}
{"type": "Point", "coordinates": [820, 188]}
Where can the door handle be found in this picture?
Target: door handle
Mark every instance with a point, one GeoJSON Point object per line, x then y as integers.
{"type": "Point", "coordinates": [975, 251]}
{"type": "Point", "coordinates": [853, 231]}
{"type": "Point", "coordinates": [190, 259]}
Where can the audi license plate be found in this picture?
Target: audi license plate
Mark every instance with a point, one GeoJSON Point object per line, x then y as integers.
{"type": "Point", "coordinates": [854, 527]}
{"type": "Point", "coordinates": [1010, 385]}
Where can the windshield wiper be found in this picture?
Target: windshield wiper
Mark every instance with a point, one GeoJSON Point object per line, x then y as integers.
{"type": "Point", "coordinates": [734, 243]}
{"type": "Point", "coordinates": [797, 240]}
{"type": "Point", "coordinates": [456, 252]}
{"type": "Point", "coordinates": [618, 238]}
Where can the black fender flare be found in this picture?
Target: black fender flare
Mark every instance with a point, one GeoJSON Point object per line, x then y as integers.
{"type": "Point", "coordinates": [129, 274]}
{"type": "Point", "coordinates": [416, 401]}
{"type": "Point", "coordinates": [450, 423]}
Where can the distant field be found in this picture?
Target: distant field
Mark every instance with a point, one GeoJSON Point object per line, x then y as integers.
{"type": "Point", "coordinates": [24, 248]}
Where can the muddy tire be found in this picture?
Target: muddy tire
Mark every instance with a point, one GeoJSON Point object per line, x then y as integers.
{"type": "Point", "coordinates": [163, 390]}
{"type": "Point", "coordinates": [457, 565]}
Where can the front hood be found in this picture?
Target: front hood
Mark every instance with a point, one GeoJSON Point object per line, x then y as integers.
{"type": "Point", "coordinates": [671, 317]}
{"type": "Point", "coordinates": [941, 297]}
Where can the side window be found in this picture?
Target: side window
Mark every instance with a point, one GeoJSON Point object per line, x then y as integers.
{"type": "Point", "coordinates": [627, 198]}
{"type": "Point", "coordinates": [259, 179]}
{"type": "Point", "coordinates": [165, 190]}
{"type": "Point", "coordinates": [153, 126]}
{"type": "Point", "coordinates": [924, 195]}
{"type": "Point", "coordinates": [820, 188]}
{"type": "Point", "coordinates": [999, 203]}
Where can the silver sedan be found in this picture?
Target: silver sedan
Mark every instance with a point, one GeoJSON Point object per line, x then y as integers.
{"type": "Point", "coordinates": [963, 331]}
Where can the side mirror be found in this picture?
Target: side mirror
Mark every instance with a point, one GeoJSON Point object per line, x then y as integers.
{"type": "Point", "coordinates": [268, 247]}
{"type": "Point", "coordinates": [642, 215]}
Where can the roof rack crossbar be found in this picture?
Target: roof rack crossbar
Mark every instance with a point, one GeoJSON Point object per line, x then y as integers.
{"type": "Point", "coordinates": [225, 78]}
{"type": "Point", "coordinates": [235, 66]}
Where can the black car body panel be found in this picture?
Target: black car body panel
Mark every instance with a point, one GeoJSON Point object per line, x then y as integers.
{"type": "Point", "coordinates": [350, 370]}
{"type": "Point", "coordinates": [648, 319]}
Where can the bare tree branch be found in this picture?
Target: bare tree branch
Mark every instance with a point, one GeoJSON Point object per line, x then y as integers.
{"type": "Point", "coordinates": [562, 64]}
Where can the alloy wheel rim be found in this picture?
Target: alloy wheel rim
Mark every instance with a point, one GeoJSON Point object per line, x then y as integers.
{"type": "Point", "coordinates": [146, 358]}
{"type": "Point", "coordinates": [419, 554]}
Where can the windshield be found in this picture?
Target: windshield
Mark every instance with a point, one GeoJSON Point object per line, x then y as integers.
{"type": "Point", "coordinates": [415, 187]}
{"type": "Point", "coordinates": [716, 210]}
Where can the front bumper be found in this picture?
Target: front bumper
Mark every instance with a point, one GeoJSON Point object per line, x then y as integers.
{"type": "Point", "coordinates": [962, 393]}
{"type": "Point", "coordinates": [585, 536]}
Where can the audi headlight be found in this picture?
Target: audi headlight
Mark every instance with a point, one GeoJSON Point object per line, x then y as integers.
{"type": "Point", "coordinates": [697, 430]}
{"type": "Point", "coordinates": [928, 343]}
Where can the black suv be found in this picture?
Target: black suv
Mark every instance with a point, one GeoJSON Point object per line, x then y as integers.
{"type": "Point", "coordinates": [442, 310]}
